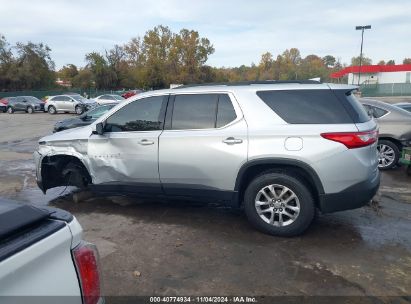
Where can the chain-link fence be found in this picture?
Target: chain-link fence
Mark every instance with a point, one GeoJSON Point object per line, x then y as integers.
{"type": "Point", "coordinates": [386, 89]}
{"type": "Point", "coordinates": [90, 93]}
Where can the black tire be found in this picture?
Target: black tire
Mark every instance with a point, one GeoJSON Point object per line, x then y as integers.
{"type": "Point", "coordinates": [30, 110]}
{"type": "Point", "coordinates": [294, 183]}
{"type": "Point", "coordinates": [395, 150]}
{"type": "Point", "coordinates": [52, 110]}
{"type": "Point", "coordinates": [10, 110]}
{"type": "Point", "coordinates": [79, 110]}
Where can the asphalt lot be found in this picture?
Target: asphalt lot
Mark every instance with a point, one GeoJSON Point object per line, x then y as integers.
{"type": "Point", "coordinates": [187, 248]}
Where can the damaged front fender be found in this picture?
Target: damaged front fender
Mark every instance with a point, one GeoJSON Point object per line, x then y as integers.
{"type": "Point", "coordinates": [62, 164]}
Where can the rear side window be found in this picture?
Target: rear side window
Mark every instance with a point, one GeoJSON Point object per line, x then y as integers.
{"type": "Point", "coordinates": [375, 111]}
{"type": "Point", "coordinates": [379, 112]}
{"type": "Point", "coordinates": [194, 111]}
{"type": "Point", "coordinates": [306, 106]}
{"type": "Point", "coordinates": [353, 106]}
{"type": "Point", "coordinates": [225, 111]}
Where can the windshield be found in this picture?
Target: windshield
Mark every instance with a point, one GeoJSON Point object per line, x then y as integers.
{"type": "Point", "coordinates": [117, 97]}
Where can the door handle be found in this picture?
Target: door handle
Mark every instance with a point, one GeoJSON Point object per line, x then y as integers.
{"type": "Point", "coordinates": [232, 141]}
{"type": "Point", "coordinates": [146, 142]}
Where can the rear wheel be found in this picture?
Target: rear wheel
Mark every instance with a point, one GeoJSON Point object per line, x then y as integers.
{"type": "Point", "coordinates": [388, 154]}
{"type": "Point", "coordinates": [279, 204]}
{"type": "Point", "coordinates": [52, 110]}
{"type": "Point", "coordinates": [30, 110]}
{"type": "Point", "coordinates": [10, 110]}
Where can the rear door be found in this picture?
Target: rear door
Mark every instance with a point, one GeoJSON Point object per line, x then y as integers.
{"type": "Point", "coordinates": [19, 103]}
{"type": "Point", "coordinates": [59, 103]}
{"type": "Point", "coordinates": [203, 145]}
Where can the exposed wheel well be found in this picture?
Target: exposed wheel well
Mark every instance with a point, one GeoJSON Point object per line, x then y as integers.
{"type": "Point", "coordinates": [395, 141]}
{"type": "Point", "coordinates": [253, 171]}
{"type": "Point", "coordinates": [64, 170]}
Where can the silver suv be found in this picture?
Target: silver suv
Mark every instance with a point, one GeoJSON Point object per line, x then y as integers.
{"type": "Point", "coordinates": [278, 150]}
{"type": "Point", "coordinates": [74, 103]}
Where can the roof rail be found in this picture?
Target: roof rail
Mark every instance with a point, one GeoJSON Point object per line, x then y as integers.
{"type": "Point", "coordinates": [244, 83]}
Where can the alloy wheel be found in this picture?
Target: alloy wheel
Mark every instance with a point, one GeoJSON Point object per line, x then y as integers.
{"type": "Point", "coordinates": [386, 156]}
{"type": "Point", "coordinates": [79, 110]}
{"type": "Point", "coordinates": [277, 205]}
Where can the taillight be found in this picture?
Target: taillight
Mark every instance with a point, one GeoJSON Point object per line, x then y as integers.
{"type": "Point", "coordinates": [353, 140]}
{"type": "Point", "coordinates": [86, 260]}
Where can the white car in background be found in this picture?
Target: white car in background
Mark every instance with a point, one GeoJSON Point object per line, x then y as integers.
{"type": "Point", "coordinates": [108, 98]}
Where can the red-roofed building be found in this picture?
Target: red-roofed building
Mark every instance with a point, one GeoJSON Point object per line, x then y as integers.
{"type": "Point", "coordinates": [376, 74]}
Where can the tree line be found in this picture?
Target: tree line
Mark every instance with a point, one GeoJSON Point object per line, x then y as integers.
{"type": "Point", "coordinates": [156, 60]}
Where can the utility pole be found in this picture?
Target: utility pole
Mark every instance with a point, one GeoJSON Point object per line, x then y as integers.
{"type": "Point", "coordinates": [361, 28]}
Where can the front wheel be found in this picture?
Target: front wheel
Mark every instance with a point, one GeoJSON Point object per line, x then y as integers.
{"type": "Point", "coordinates": [79, 110]}
{"type": "Point", "coordinates": [30, 110]}
{"type": "Point", "coordinates": [388, 154]}
{"type": "Point", "coordinates": [10, 110]}
{"type": "Point", "coordinates": [279, 204]}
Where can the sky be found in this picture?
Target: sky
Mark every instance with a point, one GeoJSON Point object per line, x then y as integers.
{"type": "Point", "coordinates": [241, 31]}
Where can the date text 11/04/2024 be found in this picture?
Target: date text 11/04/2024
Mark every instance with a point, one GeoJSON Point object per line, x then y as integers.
{"type": "Point", "coordinates": [234, 299]}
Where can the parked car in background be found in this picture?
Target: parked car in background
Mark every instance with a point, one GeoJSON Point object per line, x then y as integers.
{"type": "Point", "coordinates": [28, 104]}
{"type": "Point", "coordinates": [5, 100]}
{"type": "Point", "coordinates": [74, 103]}
{"type": "Point", "coordinates": [404, 105]}
{"type": "Point", "coordinates": [43, 257]}
{"type": "Point", "coordinates": [84, 119]}
{"type": "Point", "coordinates": [130, 93]}
{"type": "Point", "coordinates": [3, 106]}
{"type": "Point", "coordinates": [108, 98]}
{"type": "Point", "coordinates": [395, 130]}
{"type": "Point", "coordinates": [278, 149]}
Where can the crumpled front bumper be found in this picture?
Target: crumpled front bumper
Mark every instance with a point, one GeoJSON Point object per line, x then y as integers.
{"type": "Point", "coordinates": [38, 159]}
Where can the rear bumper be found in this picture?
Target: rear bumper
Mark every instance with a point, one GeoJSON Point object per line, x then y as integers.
{"type": "Point", "coordinates": [353, 197]}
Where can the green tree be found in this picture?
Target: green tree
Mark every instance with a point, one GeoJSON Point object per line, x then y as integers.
{"type": "Point", "coordinates": [406, 61]}
{"type": "Point", "coordinates": [84, 79]}
{"type": "Point", "coordinates": [329, 61]}
{"type": "Point", "coordinates": [104, 76]}
{"type": "Point", "coordinates": [365, 61]}
{"type": "Point", "coordinates": [391, 62]}
{"type": "Point", "coordinates": [67, 72]}
{"type": "Point", "coordinates": [35, 69]}
{"type": "Point", "coordinates": [265, 68]}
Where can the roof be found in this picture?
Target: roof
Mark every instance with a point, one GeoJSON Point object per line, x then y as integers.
{"type": "Point", "coordinates": [372, 69]}
{"type": "Point", "coordinates": [246, 83]}
{"type": "Point", "coordinates": [218, 88]}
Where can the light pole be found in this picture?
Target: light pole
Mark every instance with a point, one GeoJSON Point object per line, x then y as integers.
{"type": "Point", "coordinates": [361, 28]}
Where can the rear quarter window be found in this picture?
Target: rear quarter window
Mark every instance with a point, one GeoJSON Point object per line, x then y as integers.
{"type": "Point", "coordinates": [353, 106]}
{"type": "Point", "coordinates": [306, 106]}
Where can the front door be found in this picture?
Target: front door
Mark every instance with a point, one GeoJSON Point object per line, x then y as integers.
{"type": "Point", "coordinates": [126, 155]}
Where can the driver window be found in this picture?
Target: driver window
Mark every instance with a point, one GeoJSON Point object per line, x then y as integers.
{"type": "Point", "coordinates": [140, 115]}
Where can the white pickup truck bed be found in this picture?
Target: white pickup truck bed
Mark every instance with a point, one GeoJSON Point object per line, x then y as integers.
{"type": "Point", "coordinates": [36, 255]}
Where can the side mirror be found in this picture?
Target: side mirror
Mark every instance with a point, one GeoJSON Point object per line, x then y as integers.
{"type": "Point", "coordinates": [99, 129]}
